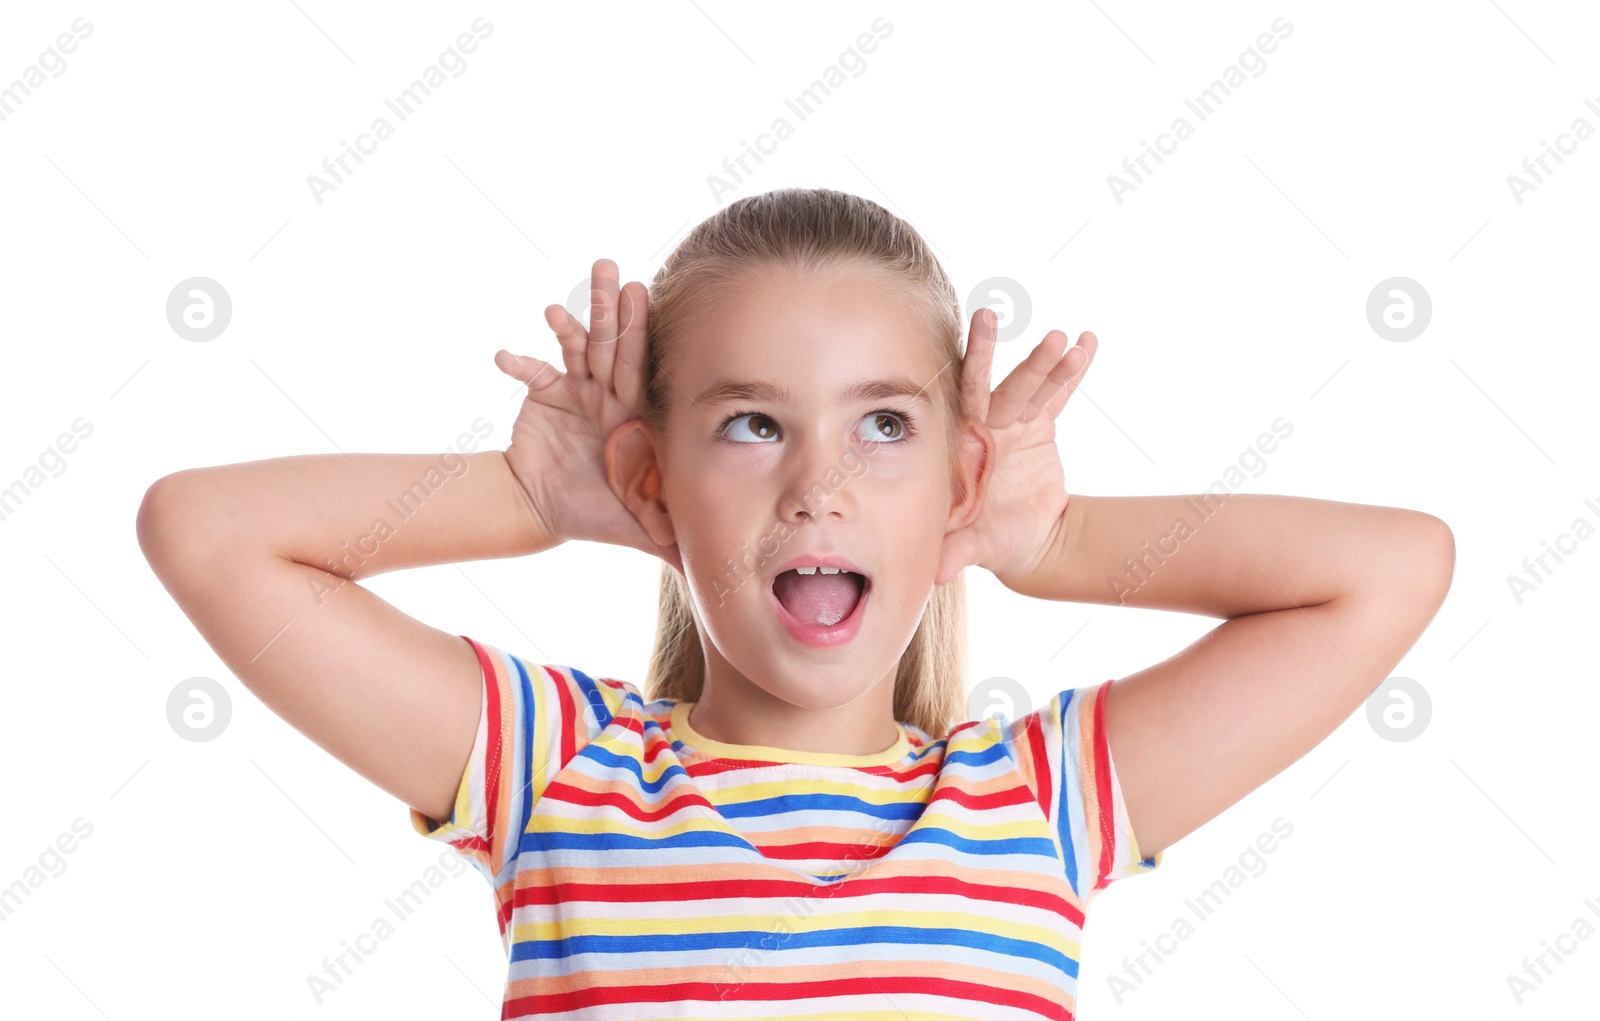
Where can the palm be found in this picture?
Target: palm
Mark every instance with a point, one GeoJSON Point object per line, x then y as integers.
{"type": "Point", "coordinates": [1026, 494]}
{"type": "Point", "coordinates": [557, 449]}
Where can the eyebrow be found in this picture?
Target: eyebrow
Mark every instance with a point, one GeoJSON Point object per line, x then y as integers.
{"type": "Point", "coordinates": [888, 388]}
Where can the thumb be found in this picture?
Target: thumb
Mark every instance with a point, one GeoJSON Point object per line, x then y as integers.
{"type": "Point", "coordinates": [535, 373]}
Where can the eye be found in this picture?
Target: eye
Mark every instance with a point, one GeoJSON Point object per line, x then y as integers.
{"type": "Point", "coordinates": [765, 434]}
{"type": "Point", "coordinates": [893, 426]}
{"type": "Point", "coordinates": [897, 424]}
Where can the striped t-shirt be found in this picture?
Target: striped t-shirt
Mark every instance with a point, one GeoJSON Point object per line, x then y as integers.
{"type": "Point", "coordinates": [641, 871]}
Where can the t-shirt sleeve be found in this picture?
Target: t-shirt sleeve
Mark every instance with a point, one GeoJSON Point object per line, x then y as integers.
{"type": "Point", "coordinates": [1062, 749]}
{"type": "Point", "coordinates": [534, 718]}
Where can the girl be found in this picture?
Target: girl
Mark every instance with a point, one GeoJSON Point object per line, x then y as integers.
{"type": "Point", "coordinates": [792, 818]}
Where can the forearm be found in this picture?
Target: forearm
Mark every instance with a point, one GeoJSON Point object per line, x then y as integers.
{"type": "Point", "coordinates": [356, 516]}
{"type": "Point", "coordinates": [1226, 556]}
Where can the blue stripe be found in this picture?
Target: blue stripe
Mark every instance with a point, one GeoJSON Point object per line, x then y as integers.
{"type": "Point", "coordinates": [609, 841]}
{"type": "Point", "coordinates": [994, 753]}
{"type": "Point", "coordinates": [525, 769]}
{"type": "Point", "coordinates": [629, 764]}
{"type": "Point", "coordinates": [779, 804]}
{"type": "Point", "coordinates": [849, 936]}
{"type": "Point", "coordinates": [1010, 845]}
{"type": "Point", "coordinates": [551, 841]}
{"type": "Point", "coordinates": [1069, 756]}
{"type": "Point", "coordinates": [591, 696]}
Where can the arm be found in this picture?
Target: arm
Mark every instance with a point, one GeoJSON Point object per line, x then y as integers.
{"type": "Point", "coordinates": [264, 558]}
{"type": "Point", "coordinates": [1321, 599]}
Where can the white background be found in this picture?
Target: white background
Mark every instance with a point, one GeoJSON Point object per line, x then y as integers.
{"type": "Point", "coordinates": [1227, 290]}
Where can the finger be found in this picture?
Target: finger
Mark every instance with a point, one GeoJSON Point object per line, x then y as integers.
{"type": "Point", "coordinates": [532, 372]}
{"type": "Point", "coordinates": [572, 337]}
{"type": "Point", "coordinates": [1014, 392]}
{"type": "Point", "coordinates": [977, 365]}
{"type": "Point", "coordinates": [603, 320]}
{"type": "Point", "coordinates": [1088, 344]}
{"type": "Point", "coordinates": [629, 374]}
{"type": "Point", "coordinates": [1054, 384]}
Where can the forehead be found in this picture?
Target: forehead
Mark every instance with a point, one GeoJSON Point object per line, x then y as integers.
{"type": "Point", "coordinates": [811, 333]}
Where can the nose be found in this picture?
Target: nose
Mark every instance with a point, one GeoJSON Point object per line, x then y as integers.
{"type": "Point", "coordinates": [815, 482]}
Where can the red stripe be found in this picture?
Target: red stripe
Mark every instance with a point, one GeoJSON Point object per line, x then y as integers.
{"type": "Point", "coordinates": [1016, 795]}
{"type": "Point", "coordinates": [1041, 765]}
{"type": "Point", "coordinates": [491, 780]}
{"type": "Point", "coordinates": [562, 791]}
{"type": "Point", "coordinates": [613, 797]}
{"type": "Point", "coordinates": [567, 721]}
{"type": "Point", "coordinates": [832, 850]}
{"type": "Point", "coordinates": [539, 892]}
{"type": "Point", "coordinates": [877, 987]}
{"type": "Point", "coordinates": [1102, 787]}
{"type": "Point", "coordinates": [629, 723]}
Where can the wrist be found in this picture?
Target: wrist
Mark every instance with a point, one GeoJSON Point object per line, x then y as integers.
{"type": "Point", "coordinates": [1039, 573]}
{"type": "Point", "coordinates": [532, 526]}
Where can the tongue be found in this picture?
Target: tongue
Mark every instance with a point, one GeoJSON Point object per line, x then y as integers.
{"type": "Point", "coordinates": [819, 600]}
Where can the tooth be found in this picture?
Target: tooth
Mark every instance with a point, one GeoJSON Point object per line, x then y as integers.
{"type": "Point", "coordinates": [828, 570]}
{"type": "Point", "coordinates": [805, 570]}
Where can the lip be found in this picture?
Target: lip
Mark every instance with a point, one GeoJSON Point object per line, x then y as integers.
{"type": "Point", "coordinates": [823, 638]}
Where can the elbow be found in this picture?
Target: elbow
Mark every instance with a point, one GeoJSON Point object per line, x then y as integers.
{"type": "Point", "coordinates": [164, 515]}
{"type": "Point", "coordinates": [1435, 547]}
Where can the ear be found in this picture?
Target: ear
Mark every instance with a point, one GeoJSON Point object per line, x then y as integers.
{"type": "Point", "coordinates": [974, 467]}
{"type": "Point", "coordinates": [634, 473]}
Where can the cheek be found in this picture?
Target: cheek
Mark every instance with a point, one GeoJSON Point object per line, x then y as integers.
{"type": "Point", "coordinates": [919, 481]}
{"type": "Point", "coordinates": [719, 534]}
{"type": "Point", "coordinates": [914, 512]}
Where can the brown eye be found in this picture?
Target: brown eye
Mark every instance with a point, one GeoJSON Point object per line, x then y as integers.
{"type": "Point", "coordinates": [893, 427]}
{"type": "Point", "coordinates": [765, 433]}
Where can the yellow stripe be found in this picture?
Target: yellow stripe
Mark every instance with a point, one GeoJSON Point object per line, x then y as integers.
{"type": "Point", "coordinates": [977, 833]}
{"type": "Point", "coordinates": [537, 679]}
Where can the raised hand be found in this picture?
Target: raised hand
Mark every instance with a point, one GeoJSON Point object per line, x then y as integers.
{"type": "Point", "coordinates": [557, 450]}
{"type": "Point", "coordinates": [1026, 498]}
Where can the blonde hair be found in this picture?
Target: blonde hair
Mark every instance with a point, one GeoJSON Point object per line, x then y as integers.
{"type": "Point", "coordinates": [814, 230]}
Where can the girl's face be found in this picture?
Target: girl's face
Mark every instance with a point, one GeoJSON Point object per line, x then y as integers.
{"type": "Point", "coordinates": [808, 422]}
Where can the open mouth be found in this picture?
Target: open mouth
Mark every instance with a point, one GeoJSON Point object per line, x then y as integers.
{"type": "Point", "coordinates": [820, 606]}
{"type": "Point", "coordinates": [819, 596]}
